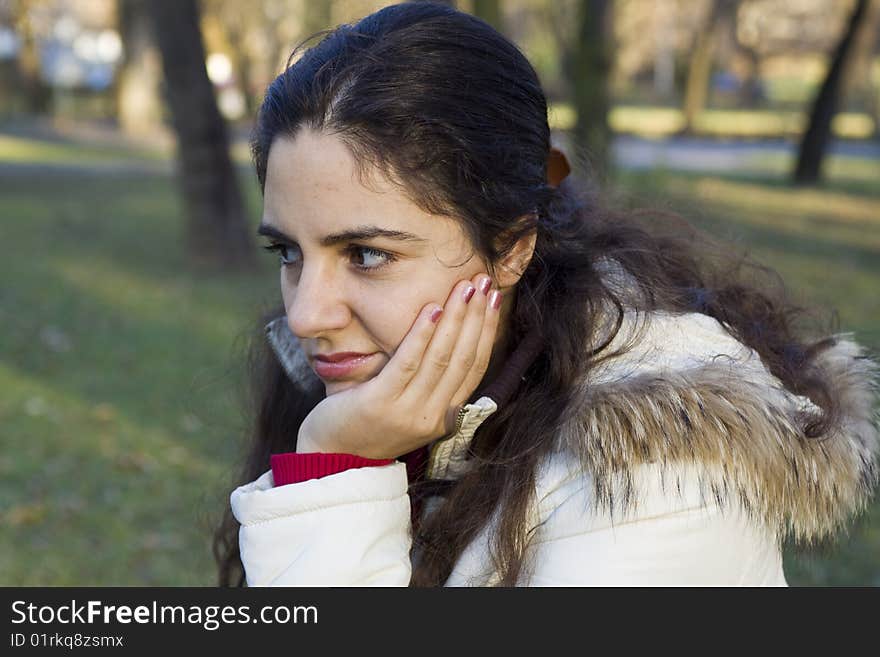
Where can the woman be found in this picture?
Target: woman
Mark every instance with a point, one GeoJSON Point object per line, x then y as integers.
{"type": "Point", "coordinates": [541, 392]}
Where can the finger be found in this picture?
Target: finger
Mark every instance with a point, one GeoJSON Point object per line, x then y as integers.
{"type": "Point", "coordinates": [439, 352]}
{"type": "Point", "coordinates": [464, 353]}
{"type": "Point", "coordinates": [397, 374]}
{"type": "Point", "coordinates": [491, 321]}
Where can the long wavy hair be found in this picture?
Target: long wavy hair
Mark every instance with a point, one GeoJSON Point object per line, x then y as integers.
{"type": "Point", "coordinates": [451, 110]}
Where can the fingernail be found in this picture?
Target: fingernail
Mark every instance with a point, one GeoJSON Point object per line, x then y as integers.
{"type": "Point", "coordinates": [435, 314]}
{"type": "Point", "coordinates": [485, 285]}
{"type": "Point", "coordinates": [469, 292]}
{"type": "Point", "coordinates": [495, 299]}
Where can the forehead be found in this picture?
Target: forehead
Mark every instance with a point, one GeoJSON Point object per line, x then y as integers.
{"type": "Point", "coordinates": [312, 188]}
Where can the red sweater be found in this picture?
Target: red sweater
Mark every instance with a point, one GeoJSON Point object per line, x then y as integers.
{"type": "Point", "coordinates": [292, 468]}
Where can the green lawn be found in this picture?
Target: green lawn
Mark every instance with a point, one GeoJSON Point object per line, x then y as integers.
{"type": "Point", "coordinates": [650, 121]}
{"type": "Point", "coordinates": [19, 149]}
{"type": "Point", "coordinates": [121, 378]}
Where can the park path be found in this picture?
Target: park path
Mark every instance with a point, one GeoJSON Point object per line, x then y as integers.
{"type": "Point", "coordinates": [712, 155]}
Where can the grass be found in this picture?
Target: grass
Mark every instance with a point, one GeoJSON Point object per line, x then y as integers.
{"type": "Point", "coordinates": [24, 150]}
{"type": "Point", "coordinates": [652, 122]}
{"type": "Point", "coordinates": [121, 375]}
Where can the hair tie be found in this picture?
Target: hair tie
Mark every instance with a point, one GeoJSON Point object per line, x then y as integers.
{"type": "Point", "coordinates": [557, 167]}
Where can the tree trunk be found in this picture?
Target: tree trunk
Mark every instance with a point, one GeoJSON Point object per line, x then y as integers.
{"type": "Point", "coordinates": [814, 143]}
{"type": "Point", "coordinates": [749, 94]}
{"type": "Point", "coordinates": [489, 11]}
{"type": "Point", "coordinates": [217, 228]}
{"type": "Point", "coordinates": [664, 53]}
{"type": "Point", "coordinates": [241, 62]}
{"type": "Point", "coordinates": [244, 67]}
{"type": "Point", "coordinates": [589, 68]}
{"type": "Point", "coordinates": [858, 84]}
{"type": "Point", "coordinates": [138, 106]}
{"type": "Point", "coordinates": [700, 67]}
{"type": "Point", "coordinates": [37, 94]}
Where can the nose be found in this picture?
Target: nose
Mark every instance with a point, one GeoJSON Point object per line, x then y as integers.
{"type": "Point", "coordinates": [315, 302]}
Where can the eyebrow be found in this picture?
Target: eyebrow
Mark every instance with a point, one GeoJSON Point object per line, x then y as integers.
{"type": "Point", "coordinates": [365, 232]}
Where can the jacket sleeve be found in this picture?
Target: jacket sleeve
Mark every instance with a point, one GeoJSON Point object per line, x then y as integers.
{"type": "Point", "coordinates": [351, 528]}
{"type": "Point", "coordinates": [674, 537]}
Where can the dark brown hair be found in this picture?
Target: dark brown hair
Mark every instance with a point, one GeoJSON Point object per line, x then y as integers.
{"type": "Point", "coordinates": [452, 111]}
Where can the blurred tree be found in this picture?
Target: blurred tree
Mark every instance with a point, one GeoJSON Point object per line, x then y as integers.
{"type": "Point", "coordinates": [8, 66]}
{"type": "Point", "coordinates": [316, 16]}
{"type": "Point", "coordinates": [235, 19]}
{"type": "Point", "coordinates": [490, 11]}
{"type": "Point", "coordinates": [36, 91]}
{"type": "Point", "coordinates": [699, 74]}
{"type": "Point", "coordinates": [814, 142]}
{"type": "Point", "coordinates": [585, 55]}
{"type": "Point", "coordinates": [273, 55]}
{"type": "Point", "coordinates": [663, 74]}
{"type": "Point", "coordinates": [588, 67]}
{"type": "Point", "coordinates": [872, 78]}
{"type": "Point", "coordinates": [138, 105]}
{"type": "Point", "coordinates": [650, 40]}
{"type": "Point", "coordinates": [259, 36]}
{"type": "Point", "coordinates": [249, 34]}
{"type": "Point", "coordinates": [750, 64]}
{"type": "Point", "coordinates": [217, 229]}
{"type": "Point", "coordinates": [858, 86]}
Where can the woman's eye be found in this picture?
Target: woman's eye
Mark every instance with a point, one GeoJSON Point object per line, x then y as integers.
{"type": "Point", "coordinates": [363, 258]}
{"type": "Point", "coordinates": [370, 259]}
{"type": "Point", "coordinates": [282, 253]}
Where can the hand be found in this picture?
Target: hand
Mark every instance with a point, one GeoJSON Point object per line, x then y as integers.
{"type": "Point", "coordinates": [415, 398]}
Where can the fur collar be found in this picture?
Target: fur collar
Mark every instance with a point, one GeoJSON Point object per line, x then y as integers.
{"type": "Point", "coordinates": [689, 394]}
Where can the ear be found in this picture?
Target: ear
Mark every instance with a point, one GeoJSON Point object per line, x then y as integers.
{"type": "Point", "coordinates": [557, 167]}
{"type": "Point", "coordinates": [511, 267]}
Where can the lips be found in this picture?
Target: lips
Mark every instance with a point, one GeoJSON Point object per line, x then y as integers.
{"type": "Point", "coordinates": [341, 364]}
{"type": "Point", "coordinates": [339, 356]}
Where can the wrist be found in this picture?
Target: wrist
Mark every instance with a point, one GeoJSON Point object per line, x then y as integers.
{"type": "Point", "coordinates": [306, 443]}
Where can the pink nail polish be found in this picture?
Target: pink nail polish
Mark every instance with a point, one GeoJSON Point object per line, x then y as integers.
{"type": "Point", "coordinates": [485, 285]}
{"type": "Point", "coordinates": [469, 292]}
{"type": "Point", "coordinates": [495, 299]}
{"type": "Point", "coordinates": [435, 314]}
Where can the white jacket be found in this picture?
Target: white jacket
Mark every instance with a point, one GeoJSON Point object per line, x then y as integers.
{"type": "Point", "coordinates": [697, 472]}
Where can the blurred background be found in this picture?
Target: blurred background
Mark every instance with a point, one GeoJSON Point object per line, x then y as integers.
{"type": "Point", "coordinates": [131, 278]}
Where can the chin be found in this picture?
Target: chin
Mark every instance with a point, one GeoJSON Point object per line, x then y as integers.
{"type": "Point", "coordinates": [333, 387]}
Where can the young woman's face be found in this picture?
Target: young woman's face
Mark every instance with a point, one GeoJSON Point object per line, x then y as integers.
{"type": "Point", "coordinates": [355, 294]}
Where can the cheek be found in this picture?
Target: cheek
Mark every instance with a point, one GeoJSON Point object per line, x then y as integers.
{"type": "Point", "coordinates": [391, 313]}
{"type": "Point", "coordinates": [386, 317]}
